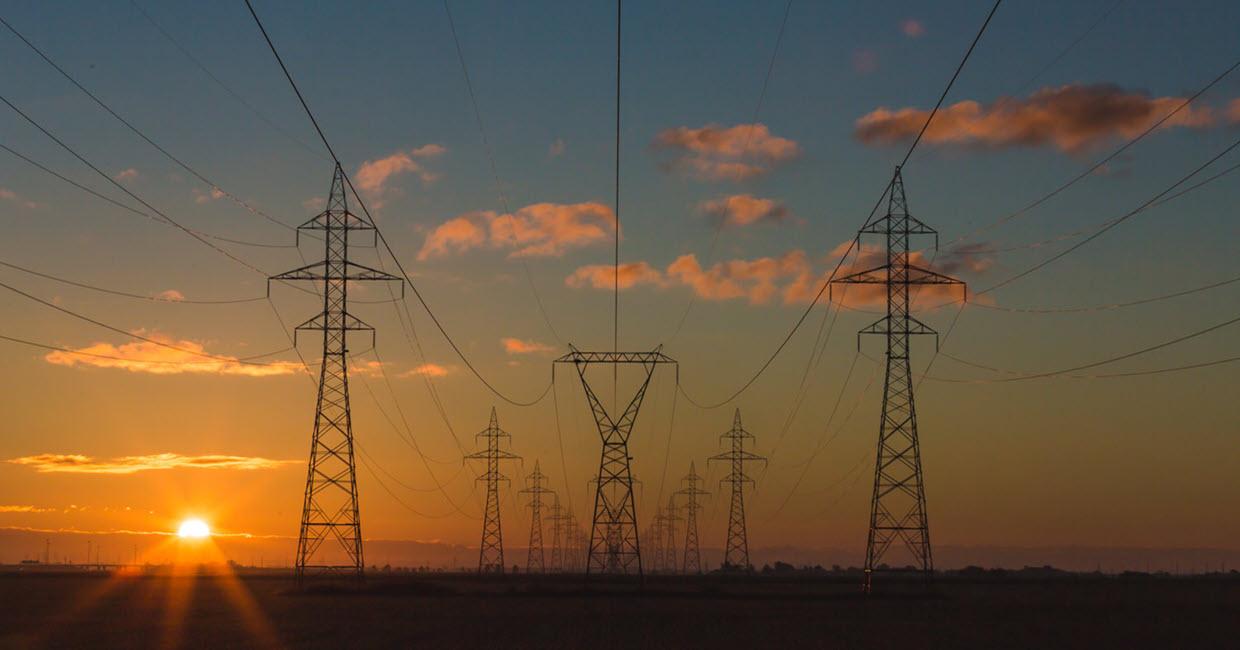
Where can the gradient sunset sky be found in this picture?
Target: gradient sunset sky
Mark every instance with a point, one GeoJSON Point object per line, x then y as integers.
{"type": "Point", "coordinates": [133, 442]}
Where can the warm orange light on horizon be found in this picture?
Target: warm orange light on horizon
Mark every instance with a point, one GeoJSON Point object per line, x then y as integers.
{"type": "Point", "coordinates": [194, 529]}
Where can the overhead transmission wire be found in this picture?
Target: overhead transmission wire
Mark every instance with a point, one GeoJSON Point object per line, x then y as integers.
{"type": "Point", "coordinates": [1098, 165]}
{"type": "Point", "coordinates": [219, 82]}
{"type": "Point", "coordinates": [180, 163]}
{"type": "Point", "coordinates": [382, 239]}
{"type": "Point", "coordinates": [248, 360]}
{"type": "Point", "coordinates": [34, 163]}
{"type": "Point", "coordinates": [720, 223]}
{"type": "Point", "coordinates": [126, 294]}
{"type": "Point", "coordinates": [852, 243]}
{"type": "Point", "coordinates": [1071, 46]}
{"type": "Point", "coordinates": [486, 145]}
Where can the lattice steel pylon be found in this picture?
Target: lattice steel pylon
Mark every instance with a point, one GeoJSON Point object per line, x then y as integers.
{"type": "Point", "coordinates": [557, 519]}
{"type": "Point", "coordinates": [898, 504]}
{"type": "Point", "coordinates": [657, 537]}
{"type": "Point", "coordinates": [693, 553]}
{"type": "Point", "coordinates": [329, 508]}
{"type": "Point", "coordinates": [614, 545]}
{"type": "Point", "coordinates": [670, 517]}
{"type": "Point", "coordinates": [491, 550]}
{"type": "Point", "coordinates": [534, 558]}
{"type": "Point", "coordinates": [736, 552]}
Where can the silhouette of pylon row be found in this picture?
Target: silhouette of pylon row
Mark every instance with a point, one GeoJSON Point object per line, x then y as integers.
{"type": "Point", "coordinates": [692, 563]}
{"type": "Point", "coordinates": [491, 550]}
{"type": "Point", "coordinates": [535, 560]}
{"type": "Point", "coordinates": [329, 541]}
{"type": "Point", "coordinates": [898, 502]}
{"type": "Point", "coordinates": [736, 552]}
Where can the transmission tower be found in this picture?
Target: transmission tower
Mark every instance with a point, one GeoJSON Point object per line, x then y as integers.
{"type": "Point", "coordinates": [329, 511]}
{"type": "Point", "coordinates": [670, 517]}
{"type": "Point", "coordinates": [657, 536]}
{"type": "Point", "coordinates": [736, 553]}
{"type": "Point", "coordinates": [491, 551]}
{"type": "Point", "coordinates": [693, 554]}
{"type": "Point", "coordinates": [898, 505]}
{"type": "Point", "coordinates": [534, 559]}
{"type": "Point", "coordinates": [557, 519]}
{"type": "Point", "coordinates": [614, 546]}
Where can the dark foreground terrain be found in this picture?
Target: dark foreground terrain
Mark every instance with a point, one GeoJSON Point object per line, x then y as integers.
{"type": "Point", "coordinates": [211, 611]}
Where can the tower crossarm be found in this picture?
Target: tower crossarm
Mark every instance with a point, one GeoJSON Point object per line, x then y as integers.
{"type": "Point", "coordinates": [321, 270]}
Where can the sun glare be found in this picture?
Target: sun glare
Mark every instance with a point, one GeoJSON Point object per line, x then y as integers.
{"type": "Point", "coordinates": [193, 529]}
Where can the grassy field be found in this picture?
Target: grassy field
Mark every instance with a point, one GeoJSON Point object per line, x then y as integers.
{"type": "Point", "coordinates": [75, 610]}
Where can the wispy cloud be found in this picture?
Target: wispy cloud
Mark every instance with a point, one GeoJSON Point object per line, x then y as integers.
{"type": "Point", "coordinates": [146, 357]}
{"type": "Point", "coordinates": [520, 346]}
{"type": "Point", "coordinates": [128, 174]}
{"type": "Point", "coordinates": [603, 276]}
{"type": "Point", "coordinates": [214, 194]}
{"type": "Point", "coordinates": [744, 209]}
{"type": "Point", "coordinates": [1069, 118]}
{"type": "Point", "coordinates": [912, 28]}
{"type": "Point", "coordinates": [26, 509]}
{"type": "Point", "coordinates": [718, 153]}
{"type": "Point", "coordinates": [538, 230]}
{"type": "Point", "coordinates": [427, 370]}
{"type": "Point", "coordinates": [10, 195]}
{"type": "Point", "coordinates": [81, 464]}
{"type": "Point", "coordinates": [373, 176]}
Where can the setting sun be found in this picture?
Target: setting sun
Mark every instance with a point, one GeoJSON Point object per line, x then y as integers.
{"type": "Point", "coordinates": [193, 529]}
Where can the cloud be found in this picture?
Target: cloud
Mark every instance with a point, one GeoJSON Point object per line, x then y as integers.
{"type": "Point", "coordinates": [427, 370]}
{"type": "Point", "coordinates": [755, 280]}
{"type": "Point", "coordinates": [10, 195]}
{"type": "Point", "coordinates": [518, 346]}
{"type": "Point", "coordinates": [126, 175]}
{"type": "Point", "coordinates": [80, 464]}
{"type": "Point", "coordinates": [718, 153]}
{"type": "Point", "coordinates": [26, 509]}
{"type": "Point", "coordinates": [1233, 111]}
{"type": "Point", "coordinates": [214, 194]}
{"type": "Point", "coordinates": [864, 61]}
{"type": "Point", "coordinates": [557, 148]}
{"type": "Point", "coordinates": [143, 356]}
{"type": "Point", "coordinates": [170, 294]}
{"type": "Point", "coordinates": [744, 209]}
{"type": "Point", "coordinates": [912, 28]}
{"type": "Point", "coordinates": [373, 175]}
{"type": "Point", "coordinates": [1070, 118]}
{"type": "Point", "coordinates": [603, 276]}
{"type": "Point", "coordinates": [538, 230]}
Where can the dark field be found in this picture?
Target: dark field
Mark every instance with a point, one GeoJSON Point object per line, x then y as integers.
{"type": "Point", "coordinates": [75, 610]}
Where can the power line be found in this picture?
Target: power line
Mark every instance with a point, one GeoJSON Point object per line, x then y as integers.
{"type": "Point", "coordinates": [852, 243]}
{"type": "Point", "coordinates": [139, 133]}
{"type": "Point", "coordinates": [241, 360]}
{"type": "Point", "coordinates": [84, 353]}
{"type": "Point", "coordinates": [1110, 224]}
{"type": "Point", "coordinates": [125, 294]}
{"type": "Point", "coordinates": [486, 145]}
{"type": "Point", "coordinates": [382, 239]}
{"type": "Point", "coordinates": [1071, 46]}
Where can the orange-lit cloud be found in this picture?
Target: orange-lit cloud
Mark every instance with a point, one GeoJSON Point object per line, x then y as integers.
{"type": "Point", "coordinates": [10, 195]}
{"type": "Point", "coordinates": [1233, 111]}
{"type": "Point", "coordinates": [538, 230]}
{"type": "Point", "coordinates": [719, 153]}
{"type": "Point", "coordinates": [756, 280]}
{"type": "Point", "coordinates": [26, 509]}
{"type": "Point", "coordinates": [214, 194]}
{"type": "Point", "coordinates": [1070, 118]}
{"type": "Point", "coordinates": [427, 370]}
{"type": "Point", "coordinates": [143, 356]}
{"type": "Point", "coordinates": [373, 175]}
{"type": "Point", "coordinates": [126, 175]}
{"type": "Point", "coordinates": [603, 276]}
{"type": "Point", "coordinates": [80, 464]}
{"type": "Point", "coordinates": [744, 209]}
{"type": "Point", "coordinates": [170, 294]}
{"type": "Point", "coordinates": [519, 346]}
{"type": "Point", "coordinates": [912, 28]}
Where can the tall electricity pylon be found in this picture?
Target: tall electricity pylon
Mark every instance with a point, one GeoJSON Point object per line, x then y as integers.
{"type": "Point", "coordinates": [670, 517]}
{"type": "Point", "coordinates": [693, 553]}
{"type": "Point", "coordinates": [898, 504]}
{"type": "Point", "coordinates": [491, 551]}
{"type": "Point", "coordinates": [614, 546]}
{"type": "Point", "coordinates": [329, 509]}
{"type": "Point", "coordinates": [534, 559]}
{"type": "Point", "coordinates": [736, 553]}
{"type": "Point", "coordinates": [557, 519]}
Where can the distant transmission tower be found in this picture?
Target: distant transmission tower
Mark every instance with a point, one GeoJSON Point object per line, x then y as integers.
{"type": "Point", "coordinates": [898, 505]}
{"type": "Point", "coordinates": [693, 554]}
{"type": "Point", "coordinates": [534, 559]}
{"type": "Point", "coordinates": [736, 553]}
{"type": "Point", "coordinates": [670, 517]}
{"type": "Point", "coordinates": [614, 547]}
{"type": "Point", "coordinates": [557, 519]}
{"type": "Point", "coordinates": [657, 537]}
{"type": "Point", "coordinates": [329, 512]}
{"type": "Point", "coordinates": [491, 551]}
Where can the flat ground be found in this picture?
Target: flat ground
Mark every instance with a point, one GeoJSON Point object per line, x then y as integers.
{"type": "Point", "coordinates": [74, 610]}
